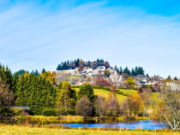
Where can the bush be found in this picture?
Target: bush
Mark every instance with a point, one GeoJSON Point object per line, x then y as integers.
{"type": "Point", "coordinates": [68, 112]}
{"type": "Point", "coordinates": [21, 119]}
{"type": "Point", "coordinates": [49, 112]}
{"type": "Point", "coordinates": [6, 115]}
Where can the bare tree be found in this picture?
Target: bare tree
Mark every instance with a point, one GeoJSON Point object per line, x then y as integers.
{"type": "Point", "coordinates": [101, 81]}
{"type": "Point", "coordinates": [6, 100]}
{"type": "Point", "coordinates": [170, 109]}
{"type": "Point", "coordinates": [100, 106]}
{"type": "Point", "coordinates": [112, 106]}
{"type": "Point", "coordinates": [84, 107]}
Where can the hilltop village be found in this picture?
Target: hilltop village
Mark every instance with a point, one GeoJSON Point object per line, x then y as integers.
{"type": "Point", "coordinates": [100, 73]}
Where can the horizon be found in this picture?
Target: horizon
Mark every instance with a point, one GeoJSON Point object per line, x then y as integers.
{"type": "Point", "coordinates": [42, 34]}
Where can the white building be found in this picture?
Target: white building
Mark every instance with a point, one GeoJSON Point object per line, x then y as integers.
{"type": "Point", "coordinates": [99, 70]}
{"type": "Point", "coordinates": [174, 86]}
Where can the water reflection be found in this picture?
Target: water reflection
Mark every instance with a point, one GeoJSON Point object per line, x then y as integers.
{"type": "Point", "coordinates": [148, 124]}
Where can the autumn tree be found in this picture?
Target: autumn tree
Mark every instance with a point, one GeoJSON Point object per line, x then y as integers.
{"type": "Point", "coordinates": [84, 107]}
{"type": "Point", "coordinates": [133, 105]}
{"type": "Point", "coordinates": [49, 76]}
{"type": "Point", "coordinates": [112, 105]}
{"type": "Point", "coordinates": [100, 106]}
{"type": "Point", "coordinates": [170, 109]}
{"type": "Point", "coordinates": [106, 73]}
{"type": "Point", "coordinates": [6, 100]}
{"type": "Point", "coordinates": [81, 66]}
{"type": "Point", "coordinates": [100, 81]}
{"type": "Point", "coordinates": [130, 82]}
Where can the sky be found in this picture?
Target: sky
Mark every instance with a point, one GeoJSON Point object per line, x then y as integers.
{"type": "Point", "coordinates": [40, 34]}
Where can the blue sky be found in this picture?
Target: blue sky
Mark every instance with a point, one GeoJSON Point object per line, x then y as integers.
{"type": "Point", "coordinates": [41, 34]}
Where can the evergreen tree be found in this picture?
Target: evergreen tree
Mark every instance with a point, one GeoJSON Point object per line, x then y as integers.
{"type": "Point", "coordinates": [169, 78]}
{"type": "Point", "coordinates": [120, 70]}
{"type": "Point", "coordinates": [21, 72]}
{"type": "Point", "coordinates": [86, 90]}
{"type": "Point", "coordinates": [127, 71]}
{"type": "Point", "coordinates": [43, 70]}
{"type": "Point", "coordinates": [35, 92]}
{"type": "Point", "coordinates": [6, 76]}
{"type": "Point", "coordinates": [36, 73]}
{"type": "Point", "coordinates": [175, 78]}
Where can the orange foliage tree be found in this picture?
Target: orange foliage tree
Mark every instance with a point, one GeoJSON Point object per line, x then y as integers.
{"type": "Point", "coordinates": [133, 105]}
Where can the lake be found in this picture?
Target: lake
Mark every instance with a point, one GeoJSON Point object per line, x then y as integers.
{"type": "Point", "coordinates": [145, 124]}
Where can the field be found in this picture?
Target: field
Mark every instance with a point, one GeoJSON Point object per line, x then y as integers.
{"type": "Point", "coordinates": [121, 93]}
{"type": "Point", "coordinates": [21, 130]}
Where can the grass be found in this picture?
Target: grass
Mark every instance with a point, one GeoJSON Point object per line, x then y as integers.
{"type": "Point", "coordinates": [21, 130]}
{"type": "Point", "coordinates": [43, 120]}
{"type": "Point", "coordinates": [121, 93]}
{"type": "Point", "coordinates": [54, 119]}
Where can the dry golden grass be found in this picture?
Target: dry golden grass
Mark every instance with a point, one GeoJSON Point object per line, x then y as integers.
{"type": "Point", "coordinates": [21, 130]}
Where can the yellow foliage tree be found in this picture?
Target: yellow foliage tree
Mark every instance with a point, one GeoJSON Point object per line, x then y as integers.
{"type": "Point", "coordinates": [49, 76]}
{"type": "Point", "coordinates": [134, 104]}
{"type": "Point", "coordinates": [130, 82]}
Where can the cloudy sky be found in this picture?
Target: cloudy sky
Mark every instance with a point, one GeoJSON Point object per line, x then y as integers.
{"type": "Point", "coordinates": [42, 33]}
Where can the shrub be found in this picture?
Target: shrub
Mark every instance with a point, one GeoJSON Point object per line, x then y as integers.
{"type": "Point", "coordinates": [49, 112]}
{"type": "Point", "coordinates": [68, 112]}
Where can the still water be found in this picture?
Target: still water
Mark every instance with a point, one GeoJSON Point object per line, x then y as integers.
{"type": "Point", "coordinates": [147, 124]}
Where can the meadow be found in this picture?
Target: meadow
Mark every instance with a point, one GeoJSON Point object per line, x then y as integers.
{"type": "Point", "coordinates": [121, 93]}
{"type": "Point", "coordinates": [21, 130]}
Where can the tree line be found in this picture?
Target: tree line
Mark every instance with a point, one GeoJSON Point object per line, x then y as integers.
{"type": "Point", "coordinates": [133, 72]}
{"type": "Point", "coordinates": [78, 62]}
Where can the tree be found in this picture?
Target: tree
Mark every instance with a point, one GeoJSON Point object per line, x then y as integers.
{"type": "Point", "coordinates": [130, 81]}
{"type": "Point", "coordinates": [35, 92]}
{"type": "Point", "coordinates": [66, 99]}
{"type": "Point", "coordinates": [100, 106]}
{"type": "Point", "coordinates": [6, 76]}
{"type": "Point", "coordinates": [106, 73]}
{"type": "Point", "coordinates": [127, 71]}
{"type": "Point", "coordinates": [36, 73]}
{"type": "Point", "coordinates": [84, 107]}
{"type": "Point", "coordinates": [20, 72]}
{"type": "Point", "coordinates": [133, 104]}
{"type": "Point", "coordinates": [100, 81]}
{"type": "Point", "coordinates": [81, 66]}
{"type": "Point", "coordinates": [175, 78]}
{"type": "Point", "coordinates": [86, 90]}
{"type": "Point", "coordinates": [169, 78]}
{"type": "Point", "coordinates": [50, 76]}
{"type": "Point", "coordinates": [6, 100]}
{"type": "Point", "coordinates": [43, 70]}
{"type": "Point", "coordinates": [170, 109]}
{"type": "Point", "coordinates": [112, 105]}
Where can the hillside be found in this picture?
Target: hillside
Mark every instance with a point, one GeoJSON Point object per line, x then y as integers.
{"type": "Point", "coordinates": [121, 93]}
